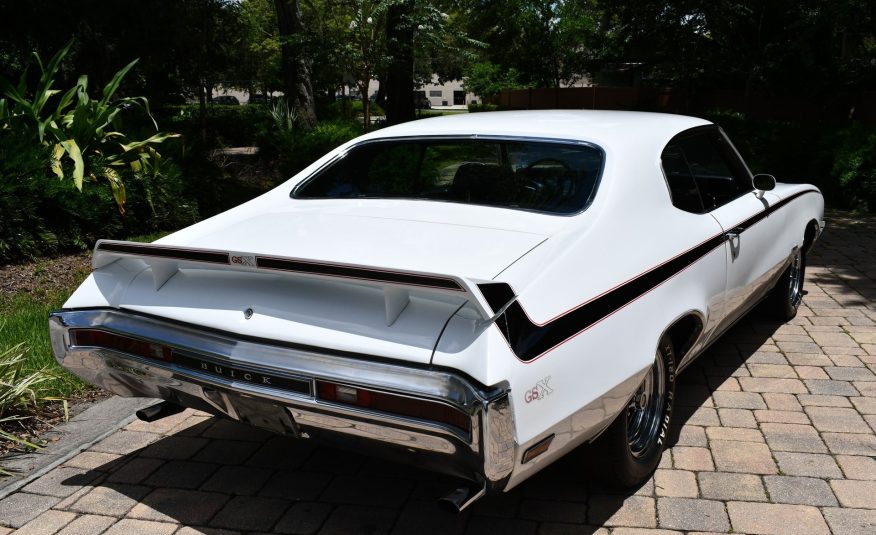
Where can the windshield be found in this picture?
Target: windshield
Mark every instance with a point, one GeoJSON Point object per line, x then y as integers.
{"type": "Point", "coordinates": [544, 176]}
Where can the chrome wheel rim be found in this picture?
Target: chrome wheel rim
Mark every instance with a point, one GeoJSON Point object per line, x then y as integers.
{"type": "Point", "coordinates": [645, 411]}
{"type": "Point", "coordinates": [795, 281]}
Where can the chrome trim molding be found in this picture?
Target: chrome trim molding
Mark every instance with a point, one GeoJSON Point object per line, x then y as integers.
{"type": "Point", "coordinates": [486, 455]}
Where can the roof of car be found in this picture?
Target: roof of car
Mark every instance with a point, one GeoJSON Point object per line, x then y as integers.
{"type": "Point", "coordinates": [598, 126]}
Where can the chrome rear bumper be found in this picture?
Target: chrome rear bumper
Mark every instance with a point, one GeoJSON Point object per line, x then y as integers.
{"type": "Point", "coordinates": [274, 387]}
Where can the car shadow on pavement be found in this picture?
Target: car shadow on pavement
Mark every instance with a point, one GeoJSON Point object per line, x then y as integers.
{"type": "Point", "coordinates": [842, 259]}
{"type": "Point", "coordinates": [712, 372]}
{"type": "Point", "coordinates": [210, 472]}
{"type": "Point", "coordinates": [225, 475]}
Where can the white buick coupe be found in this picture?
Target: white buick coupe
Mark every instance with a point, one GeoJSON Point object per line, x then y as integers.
{"type": "Point", "coordinates": [477, 294]}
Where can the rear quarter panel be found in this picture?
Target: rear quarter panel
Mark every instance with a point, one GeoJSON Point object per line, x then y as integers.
{"type": "Point", "coordinates": [576, 388]}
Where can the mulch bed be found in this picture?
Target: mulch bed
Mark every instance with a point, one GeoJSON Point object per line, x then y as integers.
{"type": "Point", "coordinates": [43, 277]}
{"type": "Point", "coordinates": [44, 419]}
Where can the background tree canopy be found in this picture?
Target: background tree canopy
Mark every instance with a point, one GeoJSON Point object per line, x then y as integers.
{"type": "Point", "coordinates": [324, 56]}
{"type": "Point", "coordinates": [186, 47]}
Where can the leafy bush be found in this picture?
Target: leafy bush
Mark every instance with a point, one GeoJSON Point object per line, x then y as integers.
{"type": "Point", "coordinates": [22, 232]}
{"type": "Point", "coordinates": [161, 201]}
{"type": "Point", "coordinates": [486, 79]}
{"type": "Point", "coordinates": [348, 110]}
{"type": "Point", "coordinates": [20, 388]}
{"type": "Point", "coordinates": [79, 127]}
{"type": "Point", "coordinates": [41, 215]}
{"type": "Point", "coordinates": [839, 158]}
{"type": "Point", "coordinates": [47, 135]}
{"type": "Point", "coordinates": [854, 166]}
{"type": "Point", "coordinates": [474, 108]}
{"type": "Point", "coordinates": [294, 151]}
{"type": "Point", "coordinates": [283, 116]}
{"type": "Point", "coordinates": [225, 126]}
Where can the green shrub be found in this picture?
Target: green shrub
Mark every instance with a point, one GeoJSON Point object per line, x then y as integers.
{"type": "Point", "coordinates": [839, 158]}
{"type": "Point", "coordinates": [226, 126]}
{"type": "Point", "coordinates": [42, 215]}
{"type": "Point", "coordinates": [56, 146]}
{"type": "Point", "coordinates": [23, 233]}
{"type": "Point", "coordinates": [487, 79]}
{"type": "Point", "coordinates": [293, 151]}
{"type": "Point", "coordinates": [21, 389]}
{"type": "Point", "coordinates": [82, 132]}
{"type": "Point", "coordinates": [161, 201]}
{"type": "Point", "coordinates": [474, 108]}
{"type": "Point", "coordinates": [316, 143]}
{"type": "Point", "coordinates": [854, 166]}
{"type": "Point", "coordinates": [19, 386]}
{"type": "Point", "coordinates": [347, 110]}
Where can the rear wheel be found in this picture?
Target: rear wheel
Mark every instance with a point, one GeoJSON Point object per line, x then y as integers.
{"type": "Point", "coordinates": [787, 294]}
{"type": "Point", "coordinates": [630, 449]}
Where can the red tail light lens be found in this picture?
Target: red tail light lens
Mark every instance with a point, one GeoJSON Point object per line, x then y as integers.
{"type": "Point", "coordinates": [108, 340]}
{"type": "Point", "coordinates": [394, 404]}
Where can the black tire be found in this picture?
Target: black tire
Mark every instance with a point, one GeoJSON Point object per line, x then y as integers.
{"type": "Point", "coordinates": [628, 452]}
{"type": "Point", "coordinates": [787, 294]}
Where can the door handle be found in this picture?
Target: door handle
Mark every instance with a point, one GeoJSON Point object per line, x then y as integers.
{"type": "Point", "coordinates": [733, 238]}
{"type": "Point", "coordinates": [735, 233]}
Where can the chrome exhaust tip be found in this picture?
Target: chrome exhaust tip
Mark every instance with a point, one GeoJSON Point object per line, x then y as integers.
{"type": "Point", "coordinates": [459, 499]}
{"type": "Point", "coordinates": [159, 411]}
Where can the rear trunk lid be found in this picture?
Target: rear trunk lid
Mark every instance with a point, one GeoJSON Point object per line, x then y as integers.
{"type": "Point", "coordinates": [350, 284]}
{"type": "Point", "coordinates": [466, 250]}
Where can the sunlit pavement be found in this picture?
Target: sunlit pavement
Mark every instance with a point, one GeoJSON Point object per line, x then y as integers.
{"type": "Point", "coordinates": [774, 435]}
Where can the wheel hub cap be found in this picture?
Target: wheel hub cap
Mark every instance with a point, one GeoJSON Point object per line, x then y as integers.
{"type": "Point", "coordinates": [795, 293]}
{"type": "Point", "coordinates": [645, 410]}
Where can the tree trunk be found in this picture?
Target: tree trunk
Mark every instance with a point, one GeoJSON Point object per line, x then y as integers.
{"type": "Point", "coordinates": [366, 113]}
{"type": "Point", "coordinates": [366, 103]}
{"type": "Point", "coordinates": [400, 74]}
{"type": "Point", "coordinates": [202, 111]}
{"type": "Point", "coordinates": [295, 70]}
{"type": "Point", "coordinates": [380, 98]}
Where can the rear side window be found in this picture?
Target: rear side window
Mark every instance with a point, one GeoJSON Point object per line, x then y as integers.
{"type": "Point", "coordinates": [682, 186]}
{"type": "Point", "coordinates": [703, 172]}
{"type": "Point", "coordinates": [543, 176]}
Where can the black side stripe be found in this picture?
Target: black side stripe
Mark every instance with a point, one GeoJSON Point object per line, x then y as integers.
{"type": "Point", "coordinates": [156, 251]}
{"type": "Point", "coordinates": [497, 294]}
{"type": "Point", "coordinates": [529, 341]}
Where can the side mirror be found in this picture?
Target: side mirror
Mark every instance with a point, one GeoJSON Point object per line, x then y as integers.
{"type": "Point", "coordinates": [763, 183]}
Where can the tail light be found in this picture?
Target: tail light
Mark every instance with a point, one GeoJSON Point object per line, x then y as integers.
{"type": "Point", "coordinates": [393, 404]}
{"type": "Point", "coordinates": [126, 344]}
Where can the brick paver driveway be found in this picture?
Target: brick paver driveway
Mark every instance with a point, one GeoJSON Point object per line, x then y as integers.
{"type": "Point", "coordinates": [775, 434]}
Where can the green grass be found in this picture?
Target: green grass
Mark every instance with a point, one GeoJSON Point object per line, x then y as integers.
{"type": "Point", "coordinates": [24, 320]}
{"type": "Point", "coordinates": [151, 237]}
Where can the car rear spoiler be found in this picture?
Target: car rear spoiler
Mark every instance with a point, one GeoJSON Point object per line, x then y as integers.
{"type": "Point", "coordinates": [166, 260]}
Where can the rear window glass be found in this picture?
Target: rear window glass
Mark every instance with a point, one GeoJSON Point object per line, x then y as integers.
{"type": "Point", "coordinates": [548, 177]}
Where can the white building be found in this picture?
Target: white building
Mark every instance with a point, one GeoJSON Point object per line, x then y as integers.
{"type": "Point", "coordinates": [447, 95]}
